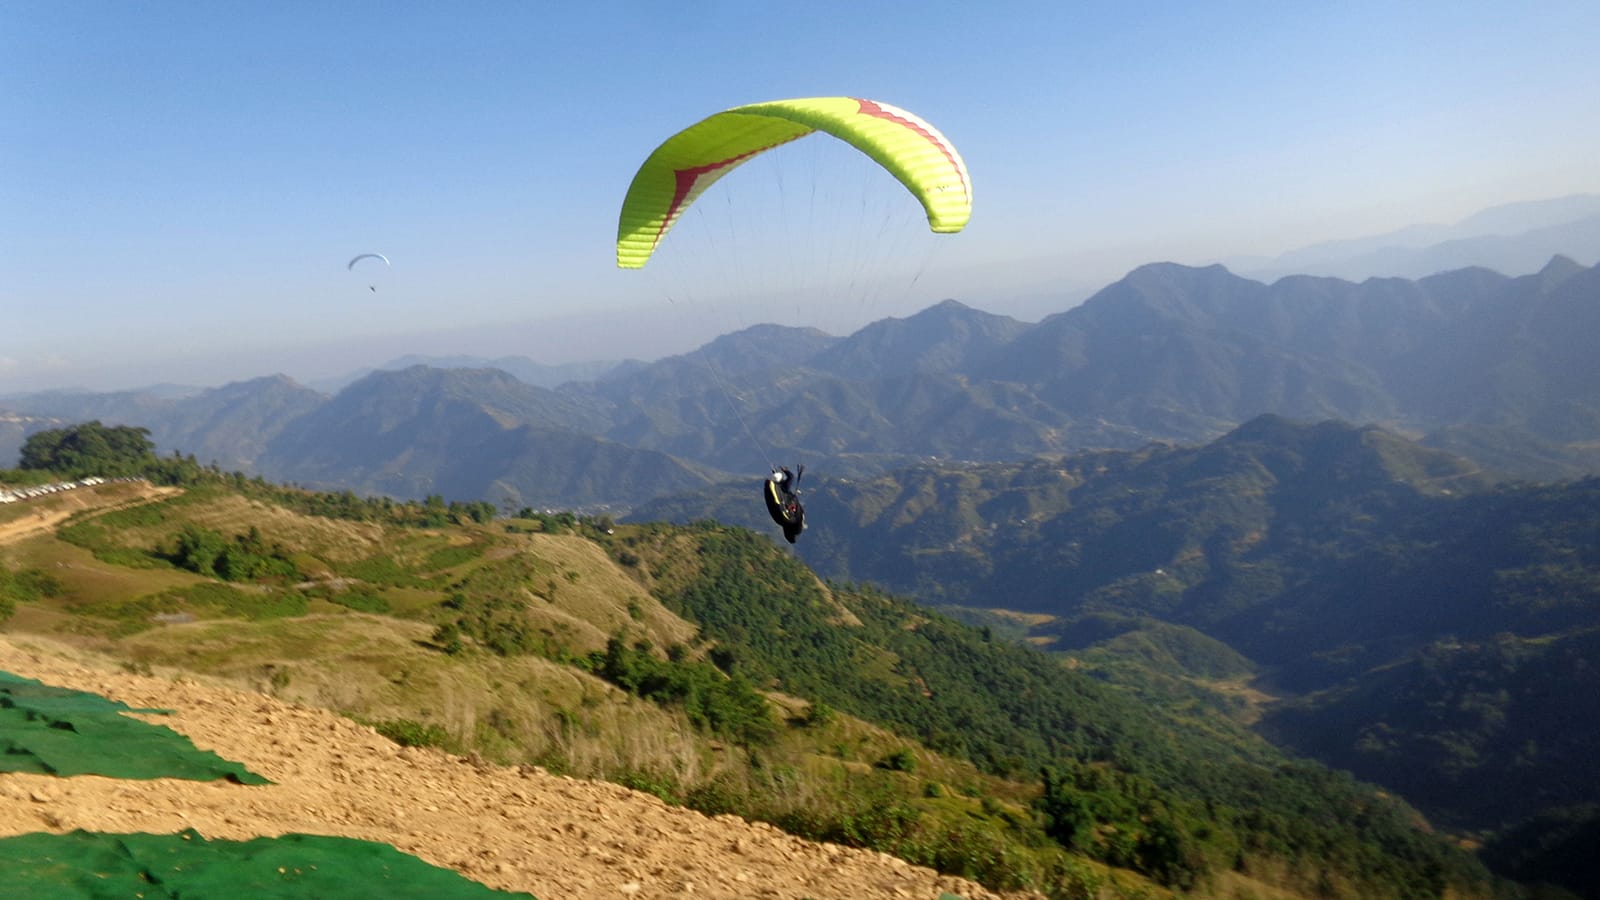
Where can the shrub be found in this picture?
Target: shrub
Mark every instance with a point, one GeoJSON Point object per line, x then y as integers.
{"type": "Point", "coordinates": [901, 760]}
{"type": "Point", "coordinates": [409, 733]}
{"type": "Point", "coordinates": [818, 714]}
{"type": "Point", "coordinates": [360, 600]}
{"type": "Point", "coordinates": [28, 584]}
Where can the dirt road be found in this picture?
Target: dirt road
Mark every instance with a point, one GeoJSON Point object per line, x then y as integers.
{"type": "Point", "coordinates": [43, 514]}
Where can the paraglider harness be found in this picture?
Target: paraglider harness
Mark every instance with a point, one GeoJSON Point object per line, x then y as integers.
{"type": "Point", "coordinates": [783, 501]}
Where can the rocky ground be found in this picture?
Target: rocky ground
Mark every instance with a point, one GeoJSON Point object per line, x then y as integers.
{"type": "Point", "coordinates": [518, 829]}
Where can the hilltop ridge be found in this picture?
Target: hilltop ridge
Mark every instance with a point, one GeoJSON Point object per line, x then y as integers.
{"type": "Point", "coordinates": [707, 667]}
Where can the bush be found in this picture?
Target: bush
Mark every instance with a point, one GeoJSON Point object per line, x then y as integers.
{"type": "Point", "coordinates": [247, 557]}
{"type": "Point", "coordinates": [718, 797]}
{"type": "Point", "coordinates": [714, 702]}
{"type": "Point", "coordinates": [901, 760]}
{"type": "Point", "coordinates": [360, 600]}
{"type": "Point", "coordinates": [818, 715]}
{"type": "Point", "coordinates": [660, 784]}
{"type": "Point", "coordinates": [409, 733]}
{"type": "Point", "coordinates": [447, 637]}
{"type": "Point", "coordinates": [230, 601]}
{"type": "Point", "coordinates": [27, 585]}
{"type": "Point", "coordinates": [449, 557]}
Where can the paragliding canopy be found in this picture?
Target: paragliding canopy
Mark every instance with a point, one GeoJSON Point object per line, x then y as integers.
{"type": "Point", "coordinates": [692, 160]}
{"type": "Point", "coordinates": [352, 265]}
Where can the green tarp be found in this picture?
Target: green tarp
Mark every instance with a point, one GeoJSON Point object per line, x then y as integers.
{"type": "Point", "coordinates": [56, 731]}
{"type": "Point", "coordinates": [86, 865]}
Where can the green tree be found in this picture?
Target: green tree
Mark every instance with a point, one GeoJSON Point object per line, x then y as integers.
{"type": "Point", "coordinates": [1067, 815]}
{"type": "Point", "coordinates": [198, 549]}
{"type": "Point", "coordinates": [90, 449]}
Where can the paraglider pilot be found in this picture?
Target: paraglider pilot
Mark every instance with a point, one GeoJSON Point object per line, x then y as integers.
{"type": "Point", "coordinates": [783, 501]}
{"type": "Point", "coordinates": [788, 482]}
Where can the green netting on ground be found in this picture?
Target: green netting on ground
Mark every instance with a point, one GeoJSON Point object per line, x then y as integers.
{"type": "Point", "coordinates": [56, 731]}
{"type": "Point", "coordinates": [88, 865]}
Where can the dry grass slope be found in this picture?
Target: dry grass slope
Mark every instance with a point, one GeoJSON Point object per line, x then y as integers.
{"type": "Point", "coordinates": [513, 828]}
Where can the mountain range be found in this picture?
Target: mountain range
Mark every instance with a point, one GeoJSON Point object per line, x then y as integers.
{"type": "Point", "coordinates": [1496, 368]}
{"type": "Point", "coordinates": [521, 367]}
{"type": "Point", "coordinates": [1422, 625]}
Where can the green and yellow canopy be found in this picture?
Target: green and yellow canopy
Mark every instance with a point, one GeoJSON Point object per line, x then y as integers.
{"type": "Point", "coordinates": [693, 159]}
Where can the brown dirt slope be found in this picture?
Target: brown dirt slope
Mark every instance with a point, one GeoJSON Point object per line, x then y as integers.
{"type": "Point", "coordinates": [510, 828]}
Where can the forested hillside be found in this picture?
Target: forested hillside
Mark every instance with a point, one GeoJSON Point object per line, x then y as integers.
{"type": "Point", "coordinates": [1430, 623]}
{"type": "Point", "coordinates": [836, 712]}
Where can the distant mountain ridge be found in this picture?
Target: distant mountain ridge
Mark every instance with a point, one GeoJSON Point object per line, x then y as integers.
{"type": "Point", "coordinates": [1515, 239]}
{"type": "Point", "coordinates": [946, 337]}
{"type": "Point", "coordinates": [229, 425]}
{"type": "Point", "coordinates": [1168, 353]}
{"type": "Point", "coordinates": [466, 433]}
{"type": "Point", "coordinates": [521, 367]}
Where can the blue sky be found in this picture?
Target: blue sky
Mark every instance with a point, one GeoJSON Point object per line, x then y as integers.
{"type": "Point", "coordinates": [181, 184]}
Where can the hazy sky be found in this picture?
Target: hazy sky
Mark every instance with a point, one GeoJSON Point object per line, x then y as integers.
{"type": "Point", "coordinates": [182, 183]}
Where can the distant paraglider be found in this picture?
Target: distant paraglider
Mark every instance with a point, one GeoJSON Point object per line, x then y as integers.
{"type": "Point", "coordinates": [352, 265]}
